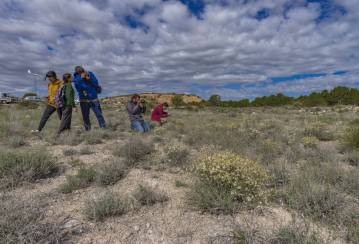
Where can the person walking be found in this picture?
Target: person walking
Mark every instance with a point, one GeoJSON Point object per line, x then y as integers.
{"type": "Point", "coordinates": [88, 88]}
{"type": "Point", "coordinates": [159, 114]}
{"type": "Point", "coordinates": [66, 100]}
{"type": "Point", "coordinates": [52, 87]}
{"type": "Point", "coordinates": [135, 108]}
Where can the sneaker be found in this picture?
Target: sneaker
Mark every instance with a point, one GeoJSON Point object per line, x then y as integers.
{"type": "Point", "coordinates": [35, 131]}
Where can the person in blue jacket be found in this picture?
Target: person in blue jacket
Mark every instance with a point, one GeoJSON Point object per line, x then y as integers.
{"type": "Point", "coordinates": [88, 88]}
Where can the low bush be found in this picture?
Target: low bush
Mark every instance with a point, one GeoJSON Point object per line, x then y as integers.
{"type": "Point", "coordinates": [148, 196]}
{"type": "Point", "coordinates": [245, 179]}
{"type": "Point", "coordinates": [177, 155]}
{"type": "Point", "coordinates": [85, 151]}
{"type": "Point", "coordinates": [29, 166]}
{"type": "Point", "coordinates": [105, 206]}
{"type": "Point", "coordinates": [69, 152]}
{"type": "Point", "coordinates": [16, 141]}
{"type": "Point", "coordinates": [110, 173]}
{"type": "Point", "coordinates": [179, 183]}
{"type": "Point", "coordinates": [134, 150]}
{"type": "Point", "coordinates": [310, 142]}
{"type": "Point", "coordinates": [295, 233]}
{"type": "Point", "coordinates": [320, 131]}
{"type": "Point", "coordinates": [82, 179]}
{"type": "Point", "coordinates": [22, 222]}
{"type": "Point", "coordinates": [351, 138]}
{"type": "Point", "coordinates": [206, 197]}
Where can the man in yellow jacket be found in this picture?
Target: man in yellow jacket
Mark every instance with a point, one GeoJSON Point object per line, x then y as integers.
{"type": "Point", "coordinates": [53, 87]}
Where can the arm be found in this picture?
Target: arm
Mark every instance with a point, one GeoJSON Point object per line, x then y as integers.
{"type": "Point", "coordinates": [93, 79]}
{"type": "Point", "coordinates": [132, 109]}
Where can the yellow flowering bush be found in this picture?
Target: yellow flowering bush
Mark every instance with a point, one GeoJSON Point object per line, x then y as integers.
{"type": "Point", "coordinates": [245, 179]}
{"type": "Point", "coordinates": [177, 154]}
{"type": "Point", "coordinates": [310, 141]}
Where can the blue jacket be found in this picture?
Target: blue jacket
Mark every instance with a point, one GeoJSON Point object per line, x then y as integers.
{"type": "Point", "coordinates": [84, 88]}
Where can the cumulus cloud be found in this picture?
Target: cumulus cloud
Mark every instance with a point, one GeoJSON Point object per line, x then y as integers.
{"type": "Point", "coordinates": [156, 45]}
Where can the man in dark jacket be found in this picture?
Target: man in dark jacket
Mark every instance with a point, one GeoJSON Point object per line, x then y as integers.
{"type": "Point", "coordinates": [88, 88]}
{"type": "Point", "coordinates": [135, 109]}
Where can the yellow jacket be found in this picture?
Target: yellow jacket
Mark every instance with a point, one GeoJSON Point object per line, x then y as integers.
{"type": "Point", "coordinates": [52, 88]}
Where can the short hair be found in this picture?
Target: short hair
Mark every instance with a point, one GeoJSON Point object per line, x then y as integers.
{"type": "Point", "coordinates": [80, 68]}
{"type": "Point", "coordinates": [165, 104]}
{"type": "Point", "coordinates": [51, 73]}
{"type": "Point", "coordinates": [66, 77]}
{"type": "Point", "coordinates": [135, 96]}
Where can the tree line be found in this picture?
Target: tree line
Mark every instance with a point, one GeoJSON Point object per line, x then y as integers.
{"type": "Point", "coordinates": [338, 96]}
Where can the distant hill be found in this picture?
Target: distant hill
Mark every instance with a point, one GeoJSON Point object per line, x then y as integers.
{"type": "Point", "coordinates": [153, 98]}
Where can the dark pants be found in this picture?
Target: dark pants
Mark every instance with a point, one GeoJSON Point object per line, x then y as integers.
{"type": "Point", "coordinates": [65, 123]}
{"type": "Point", "coordinates": [46, 115]}
{"type": "Point", "coordinates": [96, 108]}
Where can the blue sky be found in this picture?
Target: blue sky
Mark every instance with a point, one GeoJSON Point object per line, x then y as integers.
{"type": "Point", "coordinates": [235, 48]}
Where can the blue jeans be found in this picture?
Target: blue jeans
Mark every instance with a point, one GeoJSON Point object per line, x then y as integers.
{"type": "Point", "coordinates": [96, 108]}
{"type": "Point", "coordinates": [140, 126]}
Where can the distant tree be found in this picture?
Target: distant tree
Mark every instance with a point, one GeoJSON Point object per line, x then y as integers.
{"type": "Point", "coordinates": [177, 100]}
{"type": "Point", "coordinates": [29, 94]}
{"type": "Point", "coordinates": [214, 100]}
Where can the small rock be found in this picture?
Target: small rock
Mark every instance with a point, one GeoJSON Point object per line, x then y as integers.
{"type": "Point", "coordinates": [137, 228]}
{"type": "Point", "coordinates": [148, 225]}
{"type": "Point", "coordinates": [71, 224]}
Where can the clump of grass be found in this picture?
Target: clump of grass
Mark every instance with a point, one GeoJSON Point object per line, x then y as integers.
{"type": "Point", "coordinates": [92, 137]}
{"type": "Point", "coordinates": [105, 206]}
{"type": "Point", "coordinates": [214, 199]}
{"type": "Point", "coordinates": [71, 138]}
{"type": "Point", "coordinates": [179, 183]}
{"type": "Point", "coordinates": [310, 142]}
{"type": "Point", "coordinates": [82, 179]}
{"type": "Point", "coordinates": [177, 155]}
{"type": "Point", "coordinates": [85, 151]}
{"type": "Point", "coordinates": [351, 138]}
{"type": "Point", "coordinates": [134, 150]}
{"type": "Point", "coordinates": [148, 196]}
{"type": "Point", "coordinates": [320, 131]}
{"type": "Point", "coordinates": [17, 141]}
{"type": "Point", "coordinates": [20, 166]}
{"type": "Point", "coordinates": [295, 233]}
{"type": "Point", "coordinates": [110, 173]}
{"type": "Point", "coordinates": [69, 152]}
{"type": "Point", "coordinates": [22, 222]}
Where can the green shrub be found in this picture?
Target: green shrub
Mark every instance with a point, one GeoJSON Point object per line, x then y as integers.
{"type": "Point", "coordinates": [110, 173]}
{"type": "Point", "coordinates": [23, 222]}
{"type": "Point", "coordinates": [105, 206]}
{"type": "Point", "coordinates": [320, 131]}
{"type": "Point", "coordinates": [147, 196]}
{"type": "Point", "coordinates": [295, 233]}
{"type": "Point", "coordinates": [243, 178]}
{"type": "Point", "coordinates": [179, 183]}
{"type": "Point", "coordinates": [83, 178]}
{"type": "Point", "coordinates": [177, 155]}
{"type": "Point", "coordinates": [310, 142]}
{"type": "Point", "coordinates": [351, 138]}
{"type": "Point", "coordinates": [134, 150]}
{"type": "Point", "coordinates": [206, 197]}
{"type": "Point", "coordinates": [69, 152]}
{"type": "Point", "coordinates": [86, 151]}
{"type": "Point", "coordinates": [17, 141]}
{"type": "Point", "coordinates": [21, 166]}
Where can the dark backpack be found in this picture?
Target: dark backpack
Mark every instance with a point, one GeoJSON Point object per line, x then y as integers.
{"type": "Point", "coordinates": [60, 97]}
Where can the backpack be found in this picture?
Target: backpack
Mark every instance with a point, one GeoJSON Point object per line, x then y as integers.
{"type": "Point", "coordinates": [60, 97]}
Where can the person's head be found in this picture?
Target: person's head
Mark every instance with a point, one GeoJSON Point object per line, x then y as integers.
{"type": "Point", "coordinates": [67, 78]}
{"type": "Point", "coordinates": [51, 75]}
{"type": "Point", "coordinates": [79, 70]}
{"type": "Point", "coordinates": [165, 105]}
{"type": "Point", "coordinates": [135, 98]}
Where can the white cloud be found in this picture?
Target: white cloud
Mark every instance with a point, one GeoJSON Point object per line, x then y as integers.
{"type": "Point", "coordinates": [177, 50]}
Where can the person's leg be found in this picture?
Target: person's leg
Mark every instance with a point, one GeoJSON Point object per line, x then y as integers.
{"type": "Point", "coordinates": [45, 116]}
{"type": "Point", "coordinates": [145, 126]}
{"type": "Point", "coordinates": [85, 110]}
{"type": "Point", "coordinates": [96, 108]}
{"type": "Point", "coordinates": [59, 112]}
{"type": "Point", "coordinates": [65, 120]}
{"type": "Point", "coordinates": [137, 126]}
